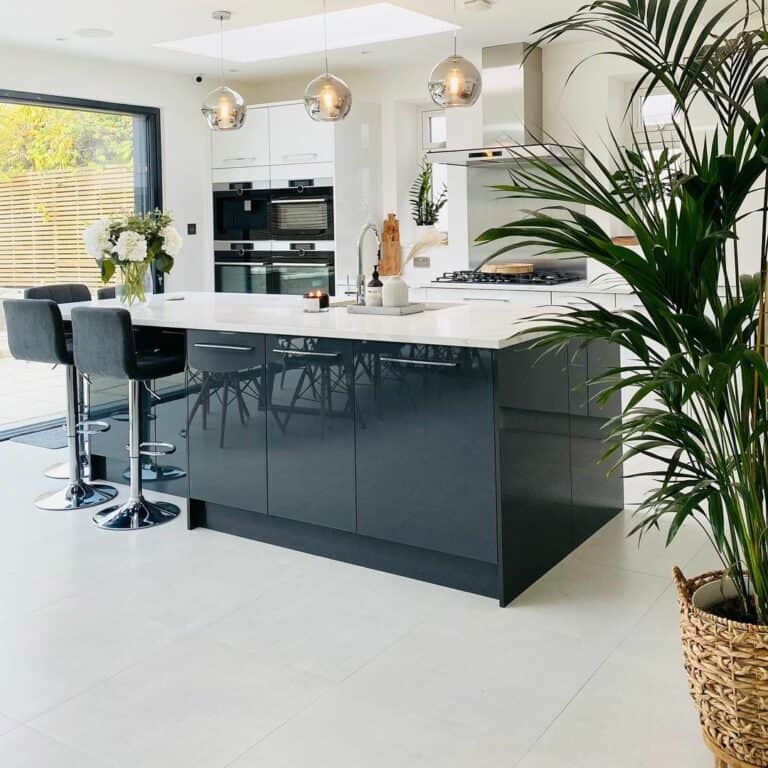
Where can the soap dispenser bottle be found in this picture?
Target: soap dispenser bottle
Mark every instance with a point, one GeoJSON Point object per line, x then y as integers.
{"type": "Point", "coordinates": [374, 290]}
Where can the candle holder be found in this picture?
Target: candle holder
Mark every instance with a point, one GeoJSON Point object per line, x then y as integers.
{"type": "Point", "coordinates": [316, 301]}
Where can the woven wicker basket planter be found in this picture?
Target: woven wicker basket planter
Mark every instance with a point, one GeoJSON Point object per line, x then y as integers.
{"type": "Point", "coordinates": [727, 666]}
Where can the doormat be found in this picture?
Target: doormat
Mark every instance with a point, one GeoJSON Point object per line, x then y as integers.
{"type": "Point", "coordinates": [54, 439]}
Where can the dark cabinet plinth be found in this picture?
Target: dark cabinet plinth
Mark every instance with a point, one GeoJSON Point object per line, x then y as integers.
{"type": "Point", "coordinates": [311, 430]}
{"type": "Point", "coordinates": [227, 419]}
{"type": "Point", "coordinates": [425, 447]}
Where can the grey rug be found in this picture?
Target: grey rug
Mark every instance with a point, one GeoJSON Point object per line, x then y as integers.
{"type": "Point", "coordinates": [48, 438]}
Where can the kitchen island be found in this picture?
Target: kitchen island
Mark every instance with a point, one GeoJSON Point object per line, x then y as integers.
{"type": "Point", "coordinates": [436, 446]}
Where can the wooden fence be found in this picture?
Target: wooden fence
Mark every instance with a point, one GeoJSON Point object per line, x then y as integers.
{"type": "Point", "coordinates": [42, 218]}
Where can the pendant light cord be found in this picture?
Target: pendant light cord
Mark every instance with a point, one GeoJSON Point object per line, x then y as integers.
{"type": "Point", "coordinates": [325, 33]}
{"type": "Point", "coordinates": [221, 49]}
{"type": "Point", "coordinates": [455, 31]}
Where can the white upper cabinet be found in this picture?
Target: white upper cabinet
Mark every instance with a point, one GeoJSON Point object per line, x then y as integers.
{"type": "Point", "coordinates": [296, 139]}
{"type": "Point", "coordinates": [247, 146]}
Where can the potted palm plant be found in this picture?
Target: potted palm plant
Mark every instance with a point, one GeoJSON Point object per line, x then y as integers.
{"type": "Point", "coordinates": [425, 204]}
{"type": "Point", "coordinates": [697, 387]}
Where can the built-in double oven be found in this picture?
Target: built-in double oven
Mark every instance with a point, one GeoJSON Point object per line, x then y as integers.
{"type": "Point", "coordinates": [290, 269]}
{"type": "Point", "coordinates": [274, 237]}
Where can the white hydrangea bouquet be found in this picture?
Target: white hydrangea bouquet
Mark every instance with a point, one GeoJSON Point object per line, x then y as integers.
{"type": "Point", "coordinates": [130, 246]}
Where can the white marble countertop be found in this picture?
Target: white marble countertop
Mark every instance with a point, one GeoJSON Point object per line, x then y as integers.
{"type": "Point", "coordinates": [460, 325]}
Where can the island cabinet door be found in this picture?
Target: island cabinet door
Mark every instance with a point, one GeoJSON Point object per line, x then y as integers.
{"type": "Point", "coordinates": [425, 448]}
{"type": "Point", "coordinates": [311, 430]}
{"type": "Point", "coordinates": [598, 492]}
{"type": "Point", "coordinates": [227, 416]}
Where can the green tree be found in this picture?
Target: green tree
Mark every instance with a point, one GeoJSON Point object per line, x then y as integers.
{"type": "Point", "coordinates": [36, 138]}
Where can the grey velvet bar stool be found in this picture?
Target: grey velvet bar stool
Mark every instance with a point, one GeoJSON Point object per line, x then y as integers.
{"type": "Point", "coordinates": [106, 293]}
{"type": "Point", "coordinates": [65, 293]}
{"type": "Point", "coordinates": [36, 333]}
{"type": "Point", "coordinates": [105, 346]}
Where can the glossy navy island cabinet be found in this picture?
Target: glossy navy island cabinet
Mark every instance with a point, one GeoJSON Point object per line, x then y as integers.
{"type": "Point", "coordinates": [473, 468]}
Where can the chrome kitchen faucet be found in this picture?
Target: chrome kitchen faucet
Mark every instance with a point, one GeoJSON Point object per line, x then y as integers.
{"type": "Point", "coordinates": [360, 282]}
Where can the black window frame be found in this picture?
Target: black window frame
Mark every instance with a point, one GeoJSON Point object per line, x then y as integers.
{"type": "Point", "coordinates": [153, 138]}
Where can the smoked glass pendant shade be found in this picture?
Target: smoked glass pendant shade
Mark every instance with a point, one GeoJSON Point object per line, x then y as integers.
{"type": "Point", "coordinates": [224, 109]}
{"type": "Point", "coordinates": [328, 98]}
{"type": "Point", "coordinates": [455, 82]}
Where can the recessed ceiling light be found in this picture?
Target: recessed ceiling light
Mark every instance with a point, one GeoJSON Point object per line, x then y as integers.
{"type": "Point", "coordinates": [350, 28]}
{"type": "Point", "coordinates": [94, 32]}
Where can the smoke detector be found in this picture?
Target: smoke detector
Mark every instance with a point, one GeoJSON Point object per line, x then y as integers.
{"type": "Point", "coordinates": [478, 5]}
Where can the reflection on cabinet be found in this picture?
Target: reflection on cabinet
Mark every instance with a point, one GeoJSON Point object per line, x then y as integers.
{"type": "Point", "coordinates": [597, 492]}
{"type": "Point", "coordinates": [227, 419]}
{"type": "Point", "coordinates": [425, 447]}
{"type": "Point", "coordinates": [294, 138]}
{"type": "Point", "coordinates": [245, 147]}
{"type": "Point", "coordinates": [554, 494]}
{"type": "Point", "coordinates": [534, 438]}
{"type": "Point", "coordinates": [311, 430]}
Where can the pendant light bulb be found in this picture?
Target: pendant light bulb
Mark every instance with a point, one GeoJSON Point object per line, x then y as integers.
{"type": "Point", "coordinates": [327, 98]}
{"type": "Point", "coordinates": [455, 81]}
{"type": "Point", "coordinates": [223, 108]}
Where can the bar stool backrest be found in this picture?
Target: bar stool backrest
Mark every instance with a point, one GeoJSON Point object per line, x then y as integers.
{"type": "Point", "coordinates": [104, 343]}
{"type": "Point", "coordinates": [63, 293]}
{"type": "Point", "coordinates": [106, 293]}
{"type": "Point", "coordinates": [36, 331]}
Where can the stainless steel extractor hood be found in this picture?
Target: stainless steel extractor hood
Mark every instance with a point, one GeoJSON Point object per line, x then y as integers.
{"type": "Point", "coordinates": [512, 104]}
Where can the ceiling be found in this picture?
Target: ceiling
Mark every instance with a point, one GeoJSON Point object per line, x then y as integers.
{"type": "Point", "coordinates": [139, 25]}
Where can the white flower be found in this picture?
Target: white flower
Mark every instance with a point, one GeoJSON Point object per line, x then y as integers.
{"type": "Point", "coordinates": [172, 241]}
{"type": "Point", "coordinates": [96, 239]}
{"type": "Point", "coordinates": [131, 246]}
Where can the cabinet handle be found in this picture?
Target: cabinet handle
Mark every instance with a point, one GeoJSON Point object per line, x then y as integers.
{"type": "Point", "coordinates": [472, 298]}
{"type": "Point", "coordinates": [423, 363]}
{"type": "Point", "coordinates": [225, 347]}
{"type": "Point", "coordinates": [299, 353]}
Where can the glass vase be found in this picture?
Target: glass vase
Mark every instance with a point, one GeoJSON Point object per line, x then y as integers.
{"type": "Point", "coordinates": [134, 283]}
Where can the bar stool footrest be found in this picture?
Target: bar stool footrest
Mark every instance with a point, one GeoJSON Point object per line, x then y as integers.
{"type": "Point", "coordinates": [156, 449]}
{"type": "Point", "coordinates": [92, 427]}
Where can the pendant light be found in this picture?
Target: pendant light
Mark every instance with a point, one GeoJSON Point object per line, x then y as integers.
{"type": "Point", "coordinates": [327, 98]}
{"type": "Point", "coordinates": [223, 108]}
{"type": "Point", "coordinates": [455, 81]}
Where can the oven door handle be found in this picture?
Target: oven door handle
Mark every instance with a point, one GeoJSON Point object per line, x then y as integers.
{"type": "Point", "coordinates": [240, 264]}
{"type": "Point", "coordinates": [303, 265]}
{"type": "Point", "coordinates": [291, 201]}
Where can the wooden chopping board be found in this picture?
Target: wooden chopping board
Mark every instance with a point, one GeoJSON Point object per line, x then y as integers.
{"type": "Point", "coordinates": [390, 247]}
{"type": "Point", "coordinates": [518, 268]}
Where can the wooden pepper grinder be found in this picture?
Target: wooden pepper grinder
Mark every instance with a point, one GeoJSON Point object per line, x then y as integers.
{"type": "Point", "coordinates": [390, 247]}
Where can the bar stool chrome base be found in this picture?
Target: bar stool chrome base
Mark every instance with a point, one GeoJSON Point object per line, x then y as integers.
{"type": "Point", "coordinates": [136, 514]}
{"type": "Point", "coordinates": [79, 495]}
{"type": "Point", "coordinates": [154, 473]}
{"type": "Point", "coordinates": [58, 471]}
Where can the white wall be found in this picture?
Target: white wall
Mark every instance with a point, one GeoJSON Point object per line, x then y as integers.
{"type": "Point", "coordinates": [185, 137]}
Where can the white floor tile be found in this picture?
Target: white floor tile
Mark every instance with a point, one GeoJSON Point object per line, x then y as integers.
{"type": "Point", "coordinates": [27, 748]}
{"type": "Point", "coordinates": [200, 650]}
{"type": "Point", "coordinates": [628, 715]}
{"type": "Point", "coordinates": [614, 546]}
{"type": "Point", "coordinates": [194, 704]}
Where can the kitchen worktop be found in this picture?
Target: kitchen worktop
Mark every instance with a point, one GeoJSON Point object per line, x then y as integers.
{"type": "Point", "coordinates": [460, 325]}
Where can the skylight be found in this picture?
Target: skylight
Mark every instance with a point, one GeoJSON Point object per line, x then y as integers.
{"type": "Point", "coordinates": [377, 23]}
